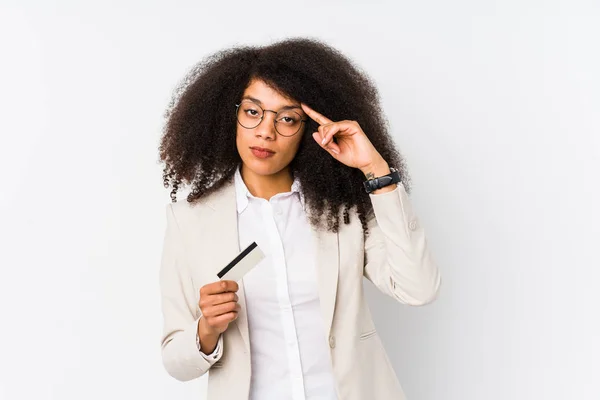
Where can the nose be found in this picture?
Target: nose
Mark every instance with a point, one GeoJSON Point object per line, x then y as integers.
{"type": "Point", "coordinates": [266, 128]}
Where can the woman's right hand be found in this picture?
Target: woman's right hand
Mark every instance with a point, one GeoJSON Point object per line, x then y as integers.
{"type": "Point", "coordinates": [219, 306]}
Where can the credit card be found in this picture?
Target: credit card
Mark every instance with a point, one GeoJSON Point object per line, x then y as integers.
{"type": "Point", "coordinates": [242, 264]}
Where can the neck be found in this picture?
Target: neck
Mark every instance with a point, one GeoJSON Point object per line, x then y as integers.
{"type": "Point", "coordinates": [267, 186]}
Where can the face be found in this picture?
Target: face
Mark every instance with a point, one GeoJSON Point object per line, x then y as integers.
{"type": "Point", "coordinates": [281, 149]}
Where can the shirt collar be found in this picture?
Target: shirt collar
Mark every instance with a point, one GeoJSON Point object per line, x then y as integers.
{"type": "Point", "coordinates": [242, 193]}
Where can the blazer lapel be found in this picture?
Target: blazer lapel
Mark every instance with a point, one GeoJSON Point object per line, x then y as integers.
{"type": "Point", "coordinates": [328, 263]}
{"type": "Point", "coordinates": [225, 240]}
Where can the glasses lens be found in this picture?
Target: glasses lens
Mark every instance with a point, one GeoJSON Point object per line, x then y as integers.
{"type": "Point", "coordinates": [288, 122]}
{"type": "Point", "coordinates": [249, 114]}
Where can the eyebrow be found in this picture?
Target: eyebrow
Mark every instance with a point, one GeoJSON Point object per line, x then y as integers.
{"type": "Point", "coordinates": [287, 107]}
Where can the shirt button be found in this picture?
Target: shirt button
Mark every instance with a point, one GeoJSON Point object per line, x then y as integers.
{"type": "Point", "coordinates": [332, 341]}
{"type": "Point", "coordinates": [413, 225]}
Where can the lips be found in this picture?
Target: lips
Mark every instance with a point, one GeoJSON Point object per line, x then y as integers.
{"type": "Point", "coordinates": [260, 152]}
{"type": "Point", "coordinates": [262, 149]}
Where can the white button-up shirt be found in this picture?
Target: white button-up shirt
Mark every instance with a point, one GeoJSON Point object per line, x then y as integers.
{"type": "Point", "coordinates": [289, 350]}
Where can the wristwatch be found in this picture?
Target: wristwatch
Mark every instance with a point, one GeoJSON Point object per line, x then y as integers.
{"type": "Point", "coordinates": [382, 181]}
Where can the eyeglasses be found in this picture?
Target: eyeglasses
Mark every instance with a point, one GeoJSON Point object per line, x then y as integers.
{"type": "Point", "coordinates": [250, 115]}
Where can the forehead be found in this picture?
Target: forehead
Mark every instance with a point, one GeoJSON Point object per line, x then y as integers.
{"type": "Point", "coordinates": [267, 95]}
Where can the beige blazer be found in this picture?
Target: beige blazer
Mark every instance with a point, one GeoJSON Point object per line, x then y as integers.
{"type": "Point", "coordinates": [202, 238]}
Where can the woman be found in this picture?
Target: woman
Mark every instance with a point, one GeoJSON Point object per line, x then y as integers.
{"type": "Point", "coordinates": [276, 143]}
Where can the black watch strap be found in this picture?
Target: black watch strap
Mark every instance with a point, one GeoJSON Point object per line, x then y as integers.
{"type": "Point", "coordinates": [377, 183]}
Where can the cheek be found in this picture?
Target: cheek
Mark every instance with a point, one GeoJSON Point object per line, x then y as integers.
{"type": "Point", "coordinates": [295, 145]}
{"type": "Point", "coordinates": [288, 152]}
{"type": "Point", "coordinates": [240, 139]}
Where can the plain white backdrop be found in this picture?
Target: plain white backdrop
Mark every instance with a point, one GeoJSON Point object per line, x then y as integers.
{"type": "Point", "coordinates": [495, 105]}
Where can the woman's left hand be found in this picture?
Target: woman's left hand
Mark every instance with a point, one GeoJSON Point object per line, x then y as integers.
{"type": "Point", "coordinates": [353, 148]}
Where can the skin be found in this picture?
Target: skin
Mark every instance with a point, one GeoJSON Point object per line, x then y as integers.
{"type": "Point", "coordinates": [267, 177]}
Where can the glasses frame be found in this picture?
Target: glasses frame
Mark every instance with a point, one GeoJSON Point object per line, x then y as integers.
{"type": "Point", "coordinates": [237, 109]}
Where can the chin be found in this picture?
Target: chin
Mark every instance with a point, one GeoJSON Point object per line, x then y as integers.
{"type": "Point", "coordinates": [263, 167]}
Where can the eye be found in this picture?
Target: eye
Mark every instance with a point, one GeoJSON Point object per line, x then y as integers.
{"type": "Point", "coordinates": [289, 118]}
{"type": "Point", "coordinates": [252, 112]}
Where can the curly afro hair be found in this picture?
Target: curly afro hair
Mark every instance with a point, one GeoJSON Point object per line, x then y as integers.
{"type": "Point", "coordinates": [201, 115]}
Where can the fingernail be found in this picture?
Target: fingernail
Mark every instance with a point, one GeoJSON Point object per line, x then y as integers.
{"type": "Point", "coordinates": [335, 151]}
{"type": "Point", "coordinates": [323, 141]}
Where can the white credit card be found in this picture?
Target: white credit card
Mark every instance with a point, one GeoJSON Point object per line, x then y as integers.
{"type": "Point", "coordinates": [242, 264]}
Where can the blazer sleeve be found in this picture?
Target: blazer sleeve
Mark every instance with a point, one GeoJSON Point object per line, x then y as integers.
{"type": "Point", "coordinates": [397, 258]}
{"type": "Point", "coordinates": [180, 354]}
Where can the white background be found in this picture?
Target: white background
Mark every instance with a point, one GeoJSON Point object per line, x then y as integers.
{"type": "Point", "coordinates": [494, 104]}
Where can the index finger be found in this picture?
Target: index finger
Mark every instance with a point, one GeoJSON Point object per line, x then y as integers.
{"type": "Point", "coordinates": [319, 118]}
{"type": "Point", "coordinates": [219, 287]}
